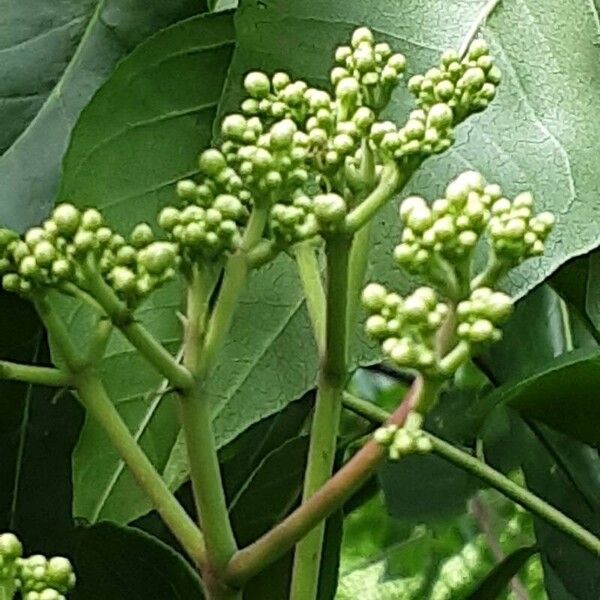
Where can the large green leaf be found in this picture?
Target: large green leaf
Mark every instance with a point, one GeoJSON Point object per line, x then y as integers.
{"type": "Point", "coordinates": [146, 104]}
{"type": "Point", "coordinates": [124, 563]}
{"type": "Point", "coordinates": [38, 41]}
{"type": "Point", "coordinates": [40, 52]}
{"type": "Point", "coordinates": [38, 430]}
{"type": "Point", "coordinates": [565, 473]}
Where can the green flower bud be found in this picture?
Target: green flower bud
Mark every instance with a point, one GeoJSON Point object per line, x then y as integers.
{"type": "Point", "coordinates": [126, 255]}
{"type": "Point", "coordinates": [212, 162]}
{"type": "Point", "coordinates": [402, 353]}
{"type": "Point", "coordinates": [413, 129]}
{"type": "Point", "coordinates": [186, 190]}
{"type": "Point", "coordinates": [61, 268]}
{"type": "Point", "coordinates": [10, 546]}
{"type": "Point", "coordinates": [11, 282]}
{"type": "Point", "coordinates": [449, 57]}
{"type": "Point", "coordinates": [414, 308]}
{"type": "Point", "coordinates": [282, 134]}
{"type": "Point", "coordinates": [337, 74]}
{"type": "Point", "coordinates": [385, 435]}
{"type": "Point", "coordinates": [473, 78]}
{"type": "Point", "coordinates": [376, 326]}
{"type": "Point", "coordinates": [233, 126]}
{"type": "Point", "coordinates": [363, 117]}
{"type": "Point", "coordinates": [477, 48]}
{"type": "Point", "coordinates": [347, 88]}
{"type": "Point", "coordinates": [142, 235]}
{"type": "Point", "coordinates": [361, 35]}
{"type": "Point", "coordinates": [342, 53]}
{"type": "Point", "coordinates": [250, 106]}
{"type": "Point", "coordinates": [91, 219]}
{"type": "Point", "coordinates": [230, 207]}
{"type": "Point", "coordinates": [280, 80]}
{"type": "Point", "coordinates": [467, 238]}
{"type": "Point", "coordinates": [257, 84]}
{"type": "Point", "coordinates": [420, 218]}
{"type": "Point", "coordinates": [410, 204]}
{"type": "Point", "coordinates": [329, 208]}
{"type": "Point", "coordinates": [168, 218]}
{"type": "Point", "coordinates": [34, 236]}
{"type": "Point", "coordinates": [364, 58]}
{"type": "Point", "coordinates": [44, 253]}
{"type": "Point", "coordinates": [194, 233]}
{"type": "Point", "coordinates": [157, 257]}
{"type": "Point", "coordinates": [50, 594]}
{"type": "Point", "coordinates": [343, 143]}
{"type": "Point", "coordinates": [67, 218]}
{"type": "Point", "coordinates": [123, 279]}
{"type": "Point", "coordinates": [440, 116]}
{"type": "Point", "coordinates": [481, 331]}
{"type": "Point", "coordinates": [29, 268]}
{"type": "Point", "coordinates": [373, 297]}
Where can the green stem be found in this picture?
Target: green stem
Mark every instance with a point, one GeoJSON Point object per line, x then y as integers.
{"type": "Point", "coordinates": [234, 279]}
{"type": "Point", "coordinates": [93, 396]}
{"type": "Point", "coordinates": [312, 284]}
{"type": "Point", "coordinates": [199, 437]}
{"type": "Point", "coordinates": [59, 334]}
{"type": "Point", "coordinates": [359, 260]}
{"type": "Point", "coordinates": [494, 270]}
{"type": "Point", "coordinates": [154, 352]}
{"type": "Point", "coordinates": [391, 179]}
{"type": "Point", "coordinates": [35, 375]}
{"type": "Point", "coordinates": [495, 479]}
{"type": "Point", "coordinates": [326, 418]}
{"type": "Point", "coordinates": [331, 497]}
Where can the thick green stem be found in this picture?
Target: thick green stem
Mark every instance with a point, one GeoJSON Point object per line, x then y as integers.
{"type": "Point", "coordinates": [59, 335]}
{"type": "Point", "coordinates": [325, 423]}
{"type": "Point", "coordinates": [234, 279]}
{"type": "Point", "coordinates": [331, 497]}
{"type": "Point", "coordinates": [359, 260]}
{"type": "Point", "coordinates": [35, 375]}
{"type": "Point", "coordinates": [154, 352]}
{"type": "Point", "coordinates": [199, 438]}
{"type": "Point", "coordinates": [93, 396]}
{"type": "Point", "coordinates": [497, 480]}
{"type": "Point", "coordinates": [312, 284]}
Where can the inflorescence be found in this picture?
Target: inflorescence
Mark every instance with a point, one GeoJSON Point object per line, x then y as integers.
{"type": "Point", "coordinates": [291, 165]}
{"type": "Point", "coordinates": [440, 325]}
{"type": "Point", "coordinates": [35, 577]}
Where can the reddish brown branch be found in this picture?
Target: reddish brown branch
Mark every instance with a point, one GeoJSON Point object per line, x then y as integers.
{"type": "Point", "coordinates": [332, 496]}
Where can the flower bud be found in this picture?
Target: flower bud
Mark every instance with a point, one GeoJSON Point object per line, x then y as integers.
{"type": "Point", "coordinates": [157, 257]}
{"type": "Point", "coordinates": [186, 190]}
{"type": "Point", "coordinates": [10, 546]}
{"type": "Point", "coordinates": [67, 218]}
{"type": "Point", "coordinates": [257, 84]}
{"type": "Point", "coordinates": [373, 297]}
{"type": "Point", "coordinates": [44, 253]}
{"type": "Point", "coordinates": [329, 208]}
{"type": "Point", "coordinates": [141, 235]}
{"type": "Point", "coordinates": [212, 162]}
{"type": "Point", "coordinates": [91, 219]}
{"type": "Point", "coordinates": [361, 35]}
{"type": "Point", "coordinates": [347, 88]}
{"type": "Point", "coordinates": [233, 126]}
{"type": "Point", "coordinates": [376, 326]}
{"type": "Point", "coordinates": [282, 134]}
{"type": "Point", "coordinates": [440, 116]}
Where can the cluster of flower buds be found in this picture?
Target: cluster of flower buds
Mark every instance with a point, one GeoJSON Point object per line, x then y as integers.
{"type": "Point", "coordinates": [405, 327]}
{"type": "Point", "coordinates": [35, 577]}
{"type": "Point", "coordinates": [452, 226]}
{"type": "Point", "coordinates": [366, 72]}
{"type": "Point", "coordinates": [480, 315]}
{"type": "Point", "coordinates": [45, 579]}
{"type": "Point", "coordinates": [295, 222]}
{"type": "Point", "coordinates": [465, 85]}
{"type": "Point", "coordinates": [515, 232]}
{"type": "Point", "coordinates": [204, 232]}
{"type": "Point", "coordinates": [53, 254]}
{"type": "Point", "coordinates": [427, 131]}
{"type": "Point", "coordinates": [405, 440]}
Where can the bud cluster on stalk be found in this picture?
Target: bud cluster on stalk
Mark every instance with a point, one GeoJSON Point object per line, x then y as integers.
{"type": "Point", "coordinates": [35, 577]}
{"type": "Point", "coordinates": [480, 315]}
{"type": "Point", "coordinates": [437, 236]}
{"type": "Point", "coordinates": [405, 440]}
{"type": "Point", "coordinates": [466, 85]}
{"type": "Point", "coordinates": [57, 253]}
{"type": "Point", "coordinates": [405, 326]}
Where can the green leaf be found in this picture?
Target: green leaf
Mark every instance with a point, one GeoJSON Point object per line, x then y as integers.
{"type": "Point", "coordinates": [125, 564]}
{"type": "Point", "coordinates": [41, 40]}
{"type": "Point", "coordinates": [561, 393]}
{"type": "Point", "coordinates": [497, 580]}
{"type": "Point", "coordinates": [38, 43]}
{"type": "Point", "coordinates": [38, 430]}
{"type": "Point", "coordinates": [145, 104]}
{"type": "Point", "coordinates": [566, 474]}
